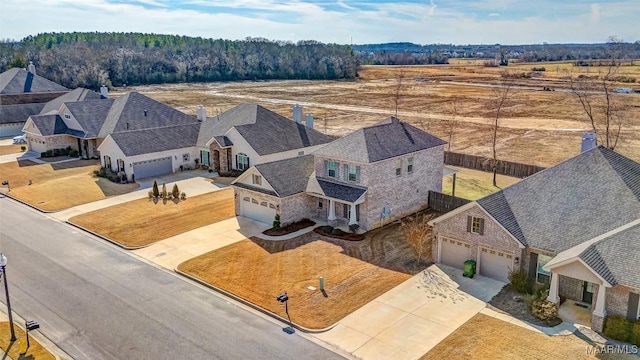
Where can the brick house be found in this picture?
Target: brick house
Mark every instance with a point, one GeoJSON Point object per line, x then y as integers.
{"type": "Point", "coordinates": [378, 173]}
{"type": "Point", "coordinates": [574, 226]}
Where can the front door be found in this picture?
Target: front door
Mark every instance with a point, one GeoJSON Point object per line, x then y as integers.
{"type": "Point", "coordinates": [587, 292]}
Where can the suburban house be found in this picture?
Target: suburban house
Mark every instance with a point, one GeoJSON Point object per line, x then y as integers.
{"type": "Point", "coordinates": [22, 94]}
{"type": "Point", "coordinates": [574, 226]}
{"type": "Point", "coordinates": [378, 173]}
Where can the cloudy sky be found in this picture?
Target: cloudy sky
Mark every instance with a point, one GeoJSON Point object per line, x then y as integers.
{"type": "Point", "coordinates": [338, 21]}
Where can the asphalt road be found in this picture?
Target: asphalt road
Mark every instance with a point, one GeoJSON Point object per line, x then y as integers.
{"type": "Point", "coordinates": [97, 302]}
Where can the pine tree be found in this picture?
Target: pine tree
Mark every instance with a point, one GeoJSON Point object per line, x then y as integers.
{"type": "Point", "coordinates": [175, 192]}
{"type": "Point", "coordinates": [156, 193]}
{"type": "Point", "coordinates": [164, 190]}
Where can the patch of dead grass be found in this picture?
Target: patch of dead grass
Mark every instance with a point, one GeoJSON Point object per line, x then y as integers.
{"type": "Point", "coordinates": [142, 222]}
{"type": "Point", "coordinates": [35, 351]}
{"type": "Point", "coordinates": [247, 270]}
{"type": "Point", "coordinates": [475, 184]}
{"type": "Point", "coordinates": [11, 149]}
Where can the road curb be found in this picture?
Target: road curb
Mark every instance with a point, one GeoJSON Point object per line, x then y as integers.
{"type": "Point", "coordinates": [104, 237]}
{"type": "Point", "coordinates": [29, 205]}
{"type": "Point", "coordinates": [44, 341]}
{"type": "Point", "coordinates": [254, 306]}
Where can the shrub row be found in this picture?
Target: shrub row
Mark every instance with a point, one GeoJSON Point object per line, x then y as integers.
{"type": "Point", "coordinates": [68, 151]}
{"type": "Point", "coordinates": [622, 329]}
{"type": "Point", "coordinates": [110, 174]}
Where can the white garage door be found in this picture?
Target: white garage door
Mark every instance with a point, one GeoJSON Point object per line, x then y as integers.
{"type": "Point", "coordinates": [495, 264]}
{"type": "Point", "coordinates": [454, 253]}
{"type": "Point", "coordinates": [255, 209]}
{"type": "Point", "coordinates": [10, 130]}
{"type": "Point", "coordinates": [155, 167]}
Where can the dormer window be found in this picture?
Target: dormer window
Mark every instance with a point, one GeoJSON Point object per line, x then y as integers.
{"type": "Point", "coordinates": [67, 116]}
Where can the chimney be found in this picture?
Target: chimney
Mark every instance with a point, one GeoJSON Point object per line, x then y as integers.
{"type": "Point", "coordinates": [201, 113]}
{"type": "Point", "coordinates": [145, 113]}
{"type": "Point", "coordinates": [588, 142]}
{"type": "Point", "coordinates": [31, 68]}
{"type": "Point", "coordinates": [104, 92]}
{"type": "Point", "coordinates": [297, 113]}
{"type": "Point", "coordinates": [127, 126]}
{"type": "Point", "coordinates": [309, 120]}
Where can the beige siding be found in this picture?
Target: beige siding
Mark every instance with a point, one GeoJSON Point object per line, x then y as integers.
{"type": "Point", "coordinates": [578, 271]}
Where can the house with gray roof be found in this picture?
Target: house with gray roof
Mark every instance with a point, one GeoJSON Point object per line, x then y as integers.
{"type": "Point", "coordinates": [574, 226]}
{"type": "Point", "coordinates": [24, 93]}
{"type": "Point", "coordinates": [369, 177]}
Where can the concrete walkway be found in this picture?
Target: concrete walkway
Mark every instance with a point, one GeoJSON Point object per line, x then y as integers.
{"type": "Point", "coordinates": [29, 155]}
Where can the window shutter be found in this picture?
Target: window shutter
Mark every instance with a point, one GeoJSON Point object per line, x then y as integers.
{"type": "Point", "coordinates": [346, 172]}
{"type": "Point", "coordinates": [248, 166]}
{"type": "Point", "coordinates": [533, 266]}
{"type": "Point", "coordinates": [237, 162]}
{"type": "Point", "coordinates": [632, 308]}
{"type": "Point", "coordinates": [357, 174]}
{"type": "Point", "coordinates": [481, 232]}
{"type": "Point", "coordinates": [469, 221]}
{"type": "Point", "coordinates": [357, 212]}
{"type": "Point", "coordinates": [326, 168]}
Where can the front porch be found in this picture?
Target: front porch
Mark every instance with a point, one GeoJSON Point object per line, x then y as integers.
{"type": "Point", "coordinates": [575, 312]}
{"type": "Point", "coordinates": [338, 202]}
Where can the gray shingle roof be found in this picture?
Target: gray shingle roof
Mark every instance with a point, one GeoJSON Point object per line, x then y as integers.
{"type": "Point", "coordinates": [289, 176]}
{"type": "Point", "coordinates": [90, 114]}
{"type": "Point", "coordinates": [50, 124]}
{"type": "Point", "coordinates": [223, 141]}
{"type": "Point", "coordinates": [341, 191]}
{"type": "Point", "coordinates": [265, 131]}
{"type": "Point", "coordinates": [569, 203]}
{"type": "Point", "coordinates": [18, 81]}
{"type": "Point", "coordinates": [18, 113]}
{"type": "Point", "coordinates": [387, 139]}
{"type": "Point", "coordinates": [79, 94]}
{"type": "Point", "coordinates": [146, 141]}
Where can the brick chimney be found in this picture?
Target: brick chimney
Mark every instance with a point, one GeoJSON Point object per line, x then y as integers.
{"type": "Point", "coordinates": [31, 68]}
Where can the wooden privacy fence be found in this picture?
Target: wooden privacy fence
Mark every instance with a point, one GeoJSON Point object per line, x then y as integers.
{"type": "Point", "coordinates": [445, 203]}
{"type": "Point", "coordinates": [508, 168]}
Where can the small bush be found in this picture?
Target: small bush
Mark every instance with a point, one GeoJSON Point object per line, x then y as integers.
{"type": "Point", "coordinates": [175, 191]}
{"type": "Point", "coordinates": [337, 232]}
{"type": "Point", "coordinates": [23, 148]}
{"type": "Point", "coordinates": [519, 281]}
{"type": "Point", "coordinates": [73, 153]}
{"type": "Point", "coordinates": [618, 328]}
{"type": "Point", "coordinates": [541, 291]}
{"type": "Point", "coordinates": [156, 193]}
{"type": "Point", "coordinates": [635, 333]}
{"type": "Point", "coordinates": [164, 190]}
{"type": "Point", "coordinates": [327, 229]}
{"type": "Point", "coordinates": [183, 196]}
{"type": "Point", "coordinates": [276, 222]}
{"type": "Point", "coordinates": [543, 309]}
{"type": "Point", "coordinates": [354, 228]}
{"type": "Point", "coordinates": [538, 68]}
{"type": "Point", "coordinates": [49, 153]}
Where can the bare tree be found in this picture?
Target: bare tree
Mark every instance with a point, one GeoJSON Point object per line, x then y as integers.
{"type": "Point", "coordinates": [451, 119]}
{"type": "Point", "coordinates": [398, 87]}
{"type": "Point", "coordinates": [605, 112]}
{"type": "Point", "coordinates": [500, 95]}
{"type": "Point", "coordinates": [417, 234]}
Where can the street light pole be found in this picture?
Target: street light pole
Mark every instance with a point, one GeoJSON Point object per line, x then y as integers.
{"type": "Point", "coordinates": [3, 267]}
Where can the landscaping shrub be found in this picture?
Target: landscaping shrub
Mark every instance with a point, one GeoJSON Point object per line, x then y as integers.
{"type": "Point", "coordinates": [337, 232]}
{"type": "Point", "coordinates": [635, 333]}
{"type": "Point", "coordinates": [538, 69]}
{"type": "Point", "coordinates": [519, 281]}
{"type": "Point", "coordinates": [232, 173]}
{"type": "Point", "coordinates": [543, 309]}
{"type": "Point", "coordinates": [73, 153]}
{"type": "Point", "coordinates": [49, 153]}
{"type": "Point", "coordinates": [618, 328]}
{"type": "Point", "coordinates": [540, 290]}
{"type": "Point", "coordinates": [327, 229]}
{"type": "Point", "coordinates": [276, 222]}
{"type": "Point", "coordinates": [164, 190]}
{"type": "Point", "coordinates": [23, 148]}
{"type": "Point", "coordinates": [183, 196]}
{"type": "Point", "coordinates": [175, 192]}
{"type": "Point", "coordinates": [156, 193]}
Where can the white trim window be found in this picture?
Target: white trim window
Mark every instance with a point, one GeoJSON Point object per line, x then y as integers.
{"type": "Point", "coordinates": [410, 165]}
{"type": "Point", "coordinates": [67, 116]}
{"type": "Point", "coordinates": [333, 169]}
{"type": "Point", "coordinates": [257, 179]}
{"type": "Point", "coordinates": [353, 173]}
{"type": "Point", "coordinates": [543, 276]}
{"type": "Point", "coordinates": [398, 167]}
{"type": "Point", "coordinates": [243, 161]}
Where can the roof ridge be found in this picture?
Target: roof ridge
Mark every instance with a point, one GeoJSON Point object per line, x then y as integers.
{"type": "Point", "coordinates": [624, 171]}
{"type": "Point", "coordinates": [157, 127]}
{"type": "Point", "coordinates": [282, 160]}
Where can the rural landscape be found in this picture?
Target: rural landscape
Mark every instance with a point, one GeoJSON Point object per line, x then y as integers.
{"type": "Point", "coordinates": [177, 185]}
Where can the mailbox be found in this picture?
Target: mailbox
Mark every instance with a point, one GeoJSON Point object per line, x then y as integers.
{"type": "Point", "coordinates": [283, 297]}
{"type": "Point", "coordinates": [5, 183]}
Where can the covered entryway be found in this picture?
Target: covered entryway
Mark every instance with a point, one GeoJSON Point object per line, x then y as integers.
{"type": "Point", "coordinates": [495, 264]}
{"type": "Point", "coordinates": [155, 167]}
{"type": "Point", "coordinates": [255, 209]}
{"type": "Point", "coordinates": [454, 253]}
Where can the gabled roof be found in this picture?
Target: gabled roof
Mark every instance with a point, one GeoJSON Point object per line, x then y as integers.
{"type": "Point", "coordinates": [49, 124]}
{"type": "Point", "coordinates": [265, 131]}
{"type": "Point", "coordinates": [18, 81]}
{"type": "Point", "coordinates": [223, 141]}
{"type": "Point", "coordinates": [90, 114]}
{"type": "Point", "coordinates": [341, 191]}
{"type": "Point", "coordinates": [79, 94]}
{"type": "Point", "coordinates": [18, 113]}
{"type": "Point", "coordinates": [146, 141]}
{"type": "Point", "coordinates": [134, 111]}
{"type": "Point", "coordinates": [569, 203]}
{"type": "Point", "coordinates": [385, 140]}
{"type": "Point", "coordinates": [286, 177]}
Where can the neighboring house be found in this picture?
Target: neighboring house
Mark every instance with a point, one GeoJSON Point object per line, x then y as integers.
{"type": "Point", "coordinates": [250, 134]}
{"type": "Point", "coordinates": [381, 172]}
{"type": "Point", "coordinates": [22, 94]}
{"type": "Point", "coordinates": [575, 226]}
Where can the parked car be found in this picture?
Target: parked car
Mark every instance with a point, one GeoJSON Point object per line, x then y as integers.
{"type": "Point", "coordinates": [20, 139]}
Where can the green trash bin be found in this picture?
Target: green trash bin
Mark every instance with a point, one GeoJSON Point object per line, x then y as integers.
{"type": "Point", "coordinates": [469, 268]}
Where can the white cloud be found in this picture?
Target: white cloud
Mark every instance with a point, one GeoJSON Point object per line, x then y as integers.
{"type": "Point", "coordinates": [595, 13]}
{"type": "Point", "coordinates": [494, 14]}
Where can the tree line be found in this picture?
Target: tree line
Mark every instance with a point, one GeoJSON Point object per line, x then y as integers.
{"type": "Point", "coordinates": [90, 59]}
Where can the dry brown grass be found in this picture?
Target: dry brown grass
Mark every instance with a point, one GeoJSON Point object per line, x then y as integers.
{"type": "Point", "coordinates": [11, 149]}
{"type": "Point", "coordinates": [35, 351]}
{"type": "Point", "coordinates": [142, 222]}
{"type": "Point", "coordinates": [59, 186]}
{"type": "Point", "coordinates": [484, 337]}
{"type": "Point", "coordinates": [474, 184]}
{"type": "Point", "coordinates": [249, 271]}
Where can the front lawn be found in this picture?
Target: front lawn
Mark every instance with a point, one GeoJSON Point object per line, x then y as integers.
{"type": "Point", "coordinates": [35, 351]}
{"type": "Point", "coordinates": [141, 222]}
{"type": "Point", "coordinates": [12, 149]}
{"type": "Point", "coordinates": [59, 186]}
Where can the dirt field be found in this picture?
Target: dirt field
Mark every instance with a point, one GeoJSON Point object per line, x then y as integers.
{"type": "Point", "coordinates": [11, 149]}
{"type": "Point", "coordinates": [538, 127]}
{"type": "Point", "coordinates": [355, 272]}
{"type": "Point", "coordinates": [484, 337]}
{"type": "Point", "coordinates": [35, 351]}
{"type": "Point", "coordinates": [59, 186]}
{"type": "Point", "coordinates": [142, 222]}
{"type": "Point", "coordinates": [474, 184]}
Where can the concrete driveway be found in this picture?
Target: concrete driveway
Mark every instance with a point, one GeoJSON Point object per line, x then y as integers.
{"type": "Point", "coordinates": [410, 319]}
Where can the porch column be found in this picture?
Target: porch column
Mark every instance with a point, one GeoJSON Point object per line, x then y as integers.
{"type": "Point", "coordinates": [553, 289]}
{"type": "Point", "coordinates": [353, 219]}
{"type": "Point", "coordinates": [600, 302]}
{"type": "Point", "coordinates": [332, 210]}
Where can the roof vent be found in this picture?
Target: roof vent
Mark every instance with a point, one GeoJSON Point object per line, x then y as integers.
{"type": "Point", "coordinates": [309, 120]}
{"type": "Point", "coordinates": [127, 126]}
{"type": "Point", "coordinates": [588, 142]}
{"type": "Point", "coordinates": [297, 113]}
{"type": "Point", "coordinates": [145, 113]}
{"type": "Point", "coordinates": [104, 92]}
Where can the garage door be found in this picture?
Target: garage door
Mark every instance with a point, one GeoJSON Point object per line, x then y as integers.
{"type": "Point", "coordinates": [155, 167]}
{"type": "Point", "coordinates": [10, 130]}
{"type": "Point", "coordinates": [495, 264]}
{"type": "Point", "coordinates": [454, 253]}
{"type": "Point", "coordinates": [255, 209]}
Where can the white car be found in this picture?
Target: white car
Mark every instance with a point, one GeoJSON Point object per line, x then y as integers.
{"type": "Point", "coordinates": [20, 139]}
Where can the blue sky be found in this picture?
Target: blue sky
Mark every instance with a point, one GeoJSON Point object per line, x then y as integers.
{"type": "Point", "coordinates": [338, 21]}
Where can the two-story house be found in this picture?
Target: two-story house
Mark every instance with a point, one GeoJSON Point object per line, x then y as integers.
{"type": "Point", "coordinates": [378, 173]}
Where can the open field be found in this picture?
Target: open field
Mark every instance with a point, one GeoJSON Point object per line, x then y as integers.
{"type": "Point", "coordinates": [59, 186]}
{"type": "Point", "coordinates": [355, 272]}
{"type": "Point", "coordinates": [11, 149]}
{"type": "Point", "coordinates": [474, 184]}
{"type": "Point", "coordinates": [142, 222]}
{"type": "Point", "coordinates": [35, 351]}
{"type": "Point", "coordinates": [484, 337]}
{"type": "Point", "coordinates": [537, 127]}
